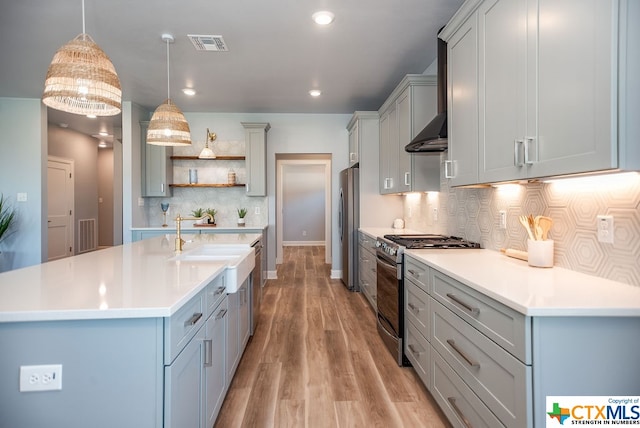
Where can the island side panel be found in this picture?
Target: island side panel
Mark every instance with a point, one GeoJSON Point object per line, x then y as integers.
{"type": "Point", "coordinates": [112, 373]}
{"type": "Point", "coordinates": [584, 356]}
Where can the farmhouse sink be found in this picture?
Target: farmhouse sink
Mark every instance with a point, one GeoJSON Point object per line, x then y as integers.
{"type": "Point", "coordinates": [239, 259]}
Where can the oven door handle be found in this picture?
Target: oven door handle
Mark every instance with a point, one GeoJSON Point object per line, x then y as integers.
{"type": "Point", "coordinates": [386, 264]}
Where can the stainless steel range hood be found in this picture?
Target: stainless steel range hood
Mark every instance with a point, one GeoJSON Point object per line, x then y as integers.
{"type": "Point", "coordinates": [433, 138]}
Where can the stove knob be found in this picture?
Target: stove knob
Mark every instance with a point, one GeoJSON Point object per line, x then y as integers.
{"type": "Point", "coordinates": [392, 251]}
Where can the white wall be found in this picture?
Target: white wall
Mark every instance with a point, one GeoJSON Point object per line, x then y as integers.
{"type": "Point", "coordinates": [303, 203]}
{"type": "Point", "coordinates": [23, 157]}
{"type": "Point", "coordinates": [105, 196]}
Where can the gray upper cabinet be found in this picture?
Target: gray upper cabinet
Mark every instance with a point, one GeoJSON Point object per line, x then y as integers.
{"type": "Point", "coordinates": [256, 157]}
{"type": "Point", "coordinates": [157, 167]}
{"type": "Point", "coordinates": [353, 143]}
{"type": "Point", "coordinates": [405, 113]}
{"type": "Point", "coordinates": [552, 94]}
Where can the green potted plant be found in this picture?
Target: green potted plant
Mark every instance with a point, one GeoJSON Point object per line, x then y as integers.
{"type": "Point", "coordinates": [197, 213]}
{"type": "Point", "coordinates": [242, 212]}
{"type": "Point", "coordinates": [212, 212]}
{"type": "Point", "coordinates": [7, 218]}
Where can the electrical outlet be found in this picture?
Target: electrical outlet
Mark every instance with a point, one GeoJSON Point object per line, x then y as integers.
{"type": "Point", "coordinates": [141, 202]}
{"type": "Point", "coordinates": [434, 214]}
{"type": "Point", "coordinates": [605, 228]}
{"type": "Point", "coordinates": [257, 211]}
{"type": "Point", "coordinates": [503, 219]}
{"type": "Point", "coordinates": [304, 233]}
{"type": "Point", "coordinates": [41, 378]}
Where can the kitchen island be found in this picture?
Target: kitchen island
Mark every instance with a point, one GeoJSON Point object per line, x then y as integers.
{"type": "Point", "coordinates": [140, 333]}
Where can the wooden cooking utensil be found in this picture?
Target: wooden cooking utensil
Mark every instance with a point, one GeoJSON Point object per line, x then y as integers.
{"type": "Point", "coordinates": [524, 220]}
{"type": "Point", "coordinates": [545, 224]}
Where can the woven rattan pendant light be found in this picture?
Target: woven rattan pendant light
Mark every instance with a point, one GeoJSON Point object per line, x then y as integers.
{"type": "Point", "coordinates": [168, 126]}
{"type": "Point", "coordinates": [82, 80]}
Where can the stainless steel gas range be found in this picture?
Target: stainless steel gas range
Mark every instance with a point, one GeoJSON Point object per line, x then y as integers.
{"type": "Point", "coordinates": [390, 283]}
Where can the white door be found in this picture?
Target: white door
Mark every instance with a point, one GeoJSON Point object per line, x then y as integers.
{"type": "Point", "coordinates": [60, 208]}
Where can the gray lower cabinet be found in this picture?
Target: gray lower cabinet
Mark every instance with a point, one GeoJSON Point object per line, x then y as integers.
{"type": "Point", "coordinates": [214, 364]}
{"type": "Point", "coordinates": [367, 268]}
{"type": "Point", "coordinates": [487, 365]}
{"type": "Point", "coordinates": [238, 328]}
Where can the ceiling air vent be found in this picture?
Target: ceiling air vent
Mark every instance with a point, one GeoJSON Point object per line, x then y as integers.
{"type": "Point", "coordinates": [208, 43]}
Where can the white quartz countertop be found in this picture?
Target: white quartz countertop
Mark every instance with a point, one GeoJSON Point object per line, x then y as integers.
{"type": "Point", "coordinates": [188, 225]}
{"type": "Point", "coordinates": [534, 291]}
{"type": "Point", "coordinates": [381, 231]}
{"type": "Point", "coordinates": [134, 280]}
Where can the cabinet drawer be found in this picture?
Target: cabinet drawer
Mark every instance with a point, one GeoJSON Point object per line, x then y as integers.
{"type": "Point", "coordinates": [462, 407]}
{"type": "Point", "coordinates": [214, 293]}
{"type": "Point", "coordinates": [417, 307]}
{"type": "Point", "coordinates": [182, 326]}
{"type": "Point", "coordinates": [503, 325]}
{"type": "Point", "coordinates": [366, 241]}
{"type": "Point", "coordinates": [417, 272]}
{"type": "Point", "coordinates": [497, 377]}
{"type": "Point", "coordinates": [418, 351]}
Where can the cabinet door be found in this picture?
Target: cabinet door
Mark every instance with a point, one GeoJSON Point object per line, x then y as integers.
{"type": "Point", "coordinates": [384, 154]}
{"type": "Point", "coordinates": [233, 338]}
{"type": "Point", "coordinates": [462, 98]}
{"type": "Point", "coordinates": [570, 103]}
{"type": "Point", "coordinates": [244, 322]}
{"type": "Point", "coordinates": [353, 144]}
{"type": "Point", "coordinates": [502, 57]}
{"type": "Point", "coordinates": [215, 380]}
{"type": "Point", "coordinates": [157, 168]}
{"type": "Point", "coordinates": [256, 157]}
{"type": "Point", "coordinates": [405, 135]}
{"type": "Point", "coordinates": [184, 386]}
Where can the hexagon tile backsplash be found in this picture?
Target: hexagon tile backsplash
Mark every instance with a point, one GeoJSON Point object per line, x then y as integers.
{"type": "Point", "coordinates": [574, 205]}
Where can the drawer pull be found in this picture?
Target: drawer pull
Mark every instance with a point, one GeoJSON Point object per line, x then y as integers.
{"type": "Point", "coordinates": [221, 314]}
{"type": "Point", "coordinates": [414, 273]}
{"type": "Point", "coordinates": [193, 320]}
{"type": "Point", "coordinates": [463, 354]}
{"type": "Point", "coordinates": [472, 310]}
{"type": "Point", "coordinates": [208, 352]}
{"type": "Point", "coordinates": [219, 291]}
{"type": "Point", "coordinates": [413, 307]}
{"type": "Point", "coordinates": [465, 421]}
{"type": "Point", "coordinates": [413, 350]}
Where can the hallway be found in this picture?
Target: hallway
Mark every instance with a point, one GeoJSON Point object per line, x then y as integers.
{"type": "Point", "coordinates": [316, 360]}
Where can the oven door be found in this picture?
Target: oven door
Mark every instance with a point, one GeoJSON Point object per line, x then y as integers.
{"type": "Point", "coordinates": [388, 289]}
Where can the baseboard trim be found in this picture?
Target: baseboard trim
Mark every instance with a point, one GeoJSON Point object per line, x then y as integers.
{"type": "Point", "coordinates": [336, 274]}
{"type": "Point", "coordinates": [272, 274]}
{"type": "Point", "coordinates": [302, 243]}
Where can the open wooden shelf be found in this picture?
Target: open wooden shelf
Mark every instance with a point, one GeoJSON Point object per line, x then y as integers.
{"type": "Point", "coordinates": [207, 185]}
{"type": "Point", "coordinates": [216, 158]}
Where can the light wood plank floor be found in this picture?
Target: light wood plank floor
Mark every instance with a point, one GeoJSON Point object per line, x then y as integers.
{"type": "Point", "coordinates": [316, 360]}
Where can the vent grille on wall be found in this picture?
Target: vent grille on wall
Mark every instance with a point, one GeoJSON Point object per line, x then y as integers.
{"type": "Point", "coordinates": [87, 235]}
{"type": "Point", "coordinates": [208, 43]}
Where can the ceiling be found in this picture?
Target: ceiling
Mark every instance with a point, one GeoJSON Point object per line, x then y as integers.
{"type": "Point", "coordinates": [276, 52]}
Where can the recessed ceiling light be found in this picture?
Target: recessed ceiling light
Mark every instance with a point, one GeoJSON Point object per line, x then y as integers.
{"type": "Point", "coordinates": [103, 133]}
{"type": "Point", "coordinates": [102, 144]}
{"type": "Point", "coordinates": [315, 92]}
{"type": "Point", "coordinates": [323, 17]}
{"type": "Point", "coordinates": [64, 125]}
{"type": "Point", "coordinates": [189, 91]}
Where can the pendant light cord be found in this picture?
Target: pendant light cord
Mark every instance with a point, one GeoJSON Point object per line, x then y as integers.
{"type": "Point", "coordinates": [168, 87]}
{"type": "Point", "coordinates": [83, 29]}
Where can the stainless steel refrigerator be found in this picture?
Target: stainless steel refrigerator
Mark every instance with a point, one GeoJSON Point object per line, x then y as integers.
{"type": "Point", "coordinates": [348, 223]}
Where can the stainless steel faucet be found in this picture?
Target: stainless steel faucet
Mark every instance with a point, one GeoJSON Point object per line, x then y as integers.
{"type": "Point", "coordinates": [179, 241]}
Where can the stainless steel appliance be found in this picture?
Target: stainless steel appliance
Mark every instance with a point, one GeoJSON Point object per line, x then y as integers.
{"type": "Point", "coordinates": [390, 283]}
{"type": "Point", "coordinates": [348, 222]}
{"type": "Point", "coordinates": [256, 286]}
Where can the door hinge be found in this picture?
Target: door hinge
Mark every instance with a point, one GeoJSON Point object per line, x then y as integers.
{"type": "Point", "coordinates": [69, 175]}
{"type": "Point", "coordinates": [69, 212]}
{"type": "Point", "coordinates": [70, 249]}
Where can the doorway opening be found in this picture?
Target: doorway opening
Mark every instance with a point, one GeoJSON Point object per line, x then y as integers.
{"type": "Point", "coordinates": [303, 202]}
{"type": "Point", "coordinates": [60, 211]}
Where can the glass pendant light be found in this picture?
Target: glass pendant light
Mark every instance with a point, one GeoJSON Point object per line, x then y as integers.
{"type": "Point", "coordinates": [82, 80]}
{"type": "Point", "coordinates": [168, 126]}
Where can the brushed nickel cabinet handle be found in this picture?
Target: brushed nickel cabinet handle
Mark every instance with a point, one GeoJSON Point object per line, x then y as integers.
{"type": "Point", "coordinates": [413, 350]}
{"type": "Point", "coordinates": [193, 320]}
{"type": "Point", "coordinates": [516, 152]}
{"type": "Point", "coordinates": [454, 406]}
{"type": "Point", "coordinates": [463, 354]}
{"type": "Point", "coordinates": [413, 307]}
{"type": "Point", "coordinates": [208, 352]}
{"type": "Point", "coordinates": [471, 309]}
{"type": "Point", "coordinates": [221, 314]}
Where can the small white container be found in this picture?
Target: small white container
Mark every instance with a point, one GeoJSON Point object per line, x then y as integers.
{"type": "Point", "coordinates": [193, 176]}
{"type": "Point", "coordinates": [540, 253]}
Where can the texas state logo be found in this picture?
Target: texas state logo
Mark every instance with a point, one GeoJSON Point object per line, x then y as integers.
{"type": "Point", "coordinates": [592, 410]}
